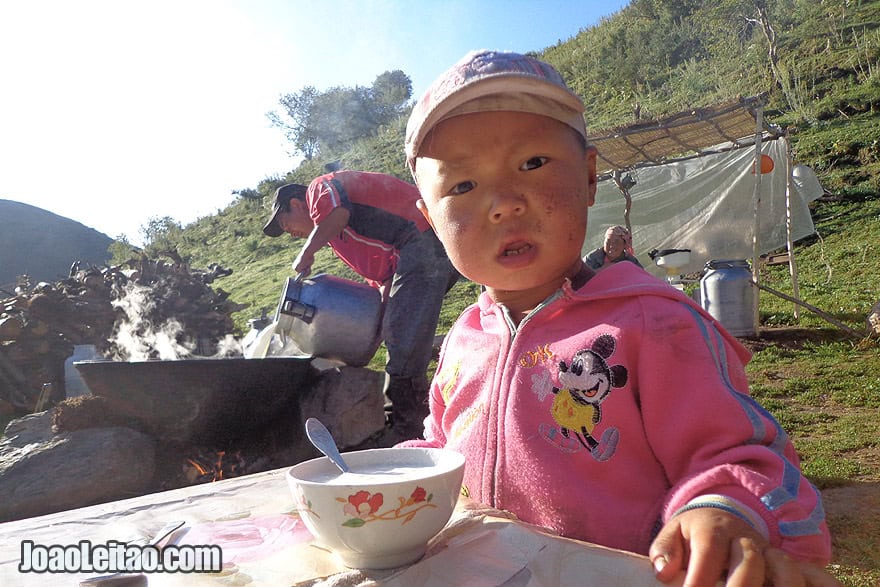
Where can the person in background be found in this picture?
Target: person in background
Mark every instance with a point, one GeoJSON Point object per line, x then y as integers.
{"type": "Point", "coordinates": [617, 247]}
{"type": "Point", "coordinates": [371, 222]}
{"type": "Point", "coordinates": [604, 406]}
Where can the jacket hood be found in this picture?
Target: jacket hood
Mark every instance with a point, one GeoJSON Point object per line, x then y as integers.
{"type": "Point", "coordinates": [621, 280]}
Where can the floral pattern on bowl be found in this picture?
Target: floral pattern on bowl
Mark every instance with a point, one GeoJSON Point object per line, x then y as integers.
{"type": "Point", "coordinates": [304, 506]}
{"type": "Point", "coordinates": [363, 507]}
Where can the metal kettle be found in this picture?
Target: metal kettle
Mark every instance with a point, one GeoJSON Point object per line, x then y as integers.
{"type": "Point", "coordinates": [331, 317]}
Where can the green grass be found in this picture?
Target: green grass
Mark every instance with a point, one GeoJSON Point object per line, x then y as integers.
{"type": "Point", "coordinates": [822, 384]}
{"type": "Point", "coordinates": [825, 387]}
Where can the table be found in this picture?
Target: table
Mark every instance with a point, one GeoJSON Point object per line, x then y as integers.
{"type": "Point", "coordinates": [252, 521]}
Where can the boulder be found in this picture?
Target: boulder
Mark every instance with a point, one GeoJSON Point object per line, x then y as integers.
{"type": "Point", "coordinates": [42, 472]}
{"type": "Point", "coordinates": [349, 401]}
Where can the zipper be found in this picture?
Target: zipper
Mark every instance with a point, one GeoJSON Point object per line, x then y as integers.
{"type": "Point", "coordinates": [503, 382]}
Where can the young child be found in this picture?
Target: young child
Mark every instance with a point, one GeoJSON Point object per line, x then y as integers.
{"type": "Point", "coordinates": [605, 406]}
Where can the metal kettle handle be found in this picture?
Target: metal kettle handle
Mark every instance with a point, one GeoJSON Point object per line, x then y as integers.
{"type": "Point", "coordinates": [296, 308]}
{"type": "Point", "coordinates": [300, 310]}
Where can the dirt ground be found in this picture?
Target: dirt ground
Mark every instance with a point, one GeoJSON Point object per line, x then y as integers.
{"type": "Point", "coordinates": [853, 514]}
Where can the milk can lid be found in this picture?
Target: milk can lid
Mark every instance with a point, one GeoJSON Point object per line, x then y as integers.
{"type": "Point", "coordinates": [727, 264]}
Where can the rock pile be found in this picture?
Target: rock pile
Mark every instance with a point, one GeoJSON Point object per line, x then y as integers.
{"type": "Point", "coordinates": [108, 307]}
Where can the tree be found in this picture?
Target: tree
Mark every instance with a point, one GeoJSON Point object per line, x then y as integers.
{"type": "Point", "coordinates": [322, 123]}
{"type": "Point", "coordinates": [300, 131]}
{"type": "Point", "coordinates": [391, 93]}
{"type": "Point", "coordinates": [121, 250]}
{"type": "Point", "coordinates": [248, 194]}
{"type": "Point", "coordinates": [161, 234]}
{"type": "Point", "coordinates": [343, 115]}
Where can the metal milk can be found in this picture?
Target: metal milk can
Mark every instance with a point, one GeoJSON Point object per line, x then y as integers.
{"type": "Point", "coordinates": [726, 292]}
{"type": "Point", "coordinates": [331, 317]}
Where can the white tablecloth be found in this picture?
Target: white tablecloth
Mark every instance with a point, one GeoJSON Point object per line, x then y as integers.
{"type": "Point", "coordinates": [264, 543]}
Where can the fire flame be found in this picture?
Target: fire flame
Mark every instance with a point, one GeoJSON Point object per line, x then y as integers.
{"type": "Point", "coordinates": [218, 468]}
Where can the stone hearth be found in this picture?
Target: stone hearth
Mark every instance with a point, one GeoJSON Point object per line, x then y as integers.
{"type": "Point", "coordinates": [87, 450]}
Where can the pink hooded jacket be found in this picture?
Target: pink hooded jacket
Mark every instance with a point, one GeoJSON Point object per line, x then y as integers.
{"type": "Point", "coordinates": [608, 410]}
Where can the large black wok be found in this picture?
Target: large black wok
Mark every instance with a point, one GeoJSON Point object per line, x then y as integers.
{"type": "Point", "coordinates": [200, 399]}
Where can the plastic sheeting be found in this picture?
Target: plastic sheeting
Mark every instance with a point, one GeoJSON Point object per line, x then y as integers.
{"type": "Point", "coordinates": [705, 204]}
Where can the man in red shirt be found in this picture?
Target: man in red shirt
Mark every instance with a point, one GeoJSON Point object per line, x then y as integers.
{"type": "Point", "coordinates": [371, 222]}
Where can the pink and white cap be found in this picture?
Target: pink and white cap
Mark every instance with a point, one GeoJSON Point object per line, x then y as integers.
{"type": "Point", "coordinates": [484, 81]}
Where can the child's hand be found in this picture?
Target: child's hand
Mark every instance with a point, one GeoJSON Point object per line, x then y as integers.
{"type": "Point", "coordinates": [712, 545]}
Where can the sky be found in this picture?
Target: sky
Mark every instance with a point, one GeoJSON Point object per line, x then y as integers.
{"type": "Point", "coordinates": [114, 112]}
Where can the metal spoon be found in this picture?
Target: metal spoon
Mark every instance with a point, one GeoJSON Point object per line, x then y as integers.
{"type": "Point", "coordinates": [323, 441]}
{"type": "Point", "coordinates": [166, 531]}
{"type": "Point", "coordinates": [123, 579]}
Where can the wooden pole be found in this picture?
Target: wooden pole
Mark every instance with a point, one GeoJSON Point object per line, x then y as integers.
{"type": "Point", "coordinates": [814, 309]}
{"type": "Point", "coordinates": [627, 198]}
{"type": "Point", "coordinates": [792, 264]}
{"type": "Point", "coordinates": [756, 204]}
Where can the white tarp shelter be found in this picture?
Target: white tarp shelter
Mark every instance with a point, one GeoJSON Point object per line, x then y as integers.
{"type": "Point", "coordinates": [686, 182]}
{"type": "Point", "coordinates": [705, 204]}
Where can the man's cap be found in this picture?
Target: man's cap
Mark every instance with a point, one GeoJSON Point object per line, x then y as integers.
{"type": "Point", "coordinates": [283, 195]}
{"type": "Point", "coordinates": [484, 81]}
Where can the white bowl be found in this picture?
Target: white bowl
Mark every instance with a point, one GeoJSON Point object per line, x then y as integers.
{"type": "Point", "coordinates": [383, 513]}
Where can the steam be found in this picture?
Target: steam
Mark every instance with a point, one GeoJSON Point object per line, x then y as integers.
{"type": "Point", "coordinates": [228, 347]}
{"type": "Point", "coordinates": [140, 337]}
{"type": "Point", "coordinates": [137, 338]}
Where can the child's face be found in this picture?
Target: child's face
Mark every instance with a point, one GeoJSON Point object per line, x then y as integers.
{"type": "Point", "coordinates": [507, 194]}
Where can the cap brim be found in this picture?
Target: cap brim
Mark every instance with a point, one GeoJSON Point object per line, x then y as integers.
{"type": "Point", "coordinates": [272, 227]}
{"type": "Point", "coordinates": [569, 108]}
